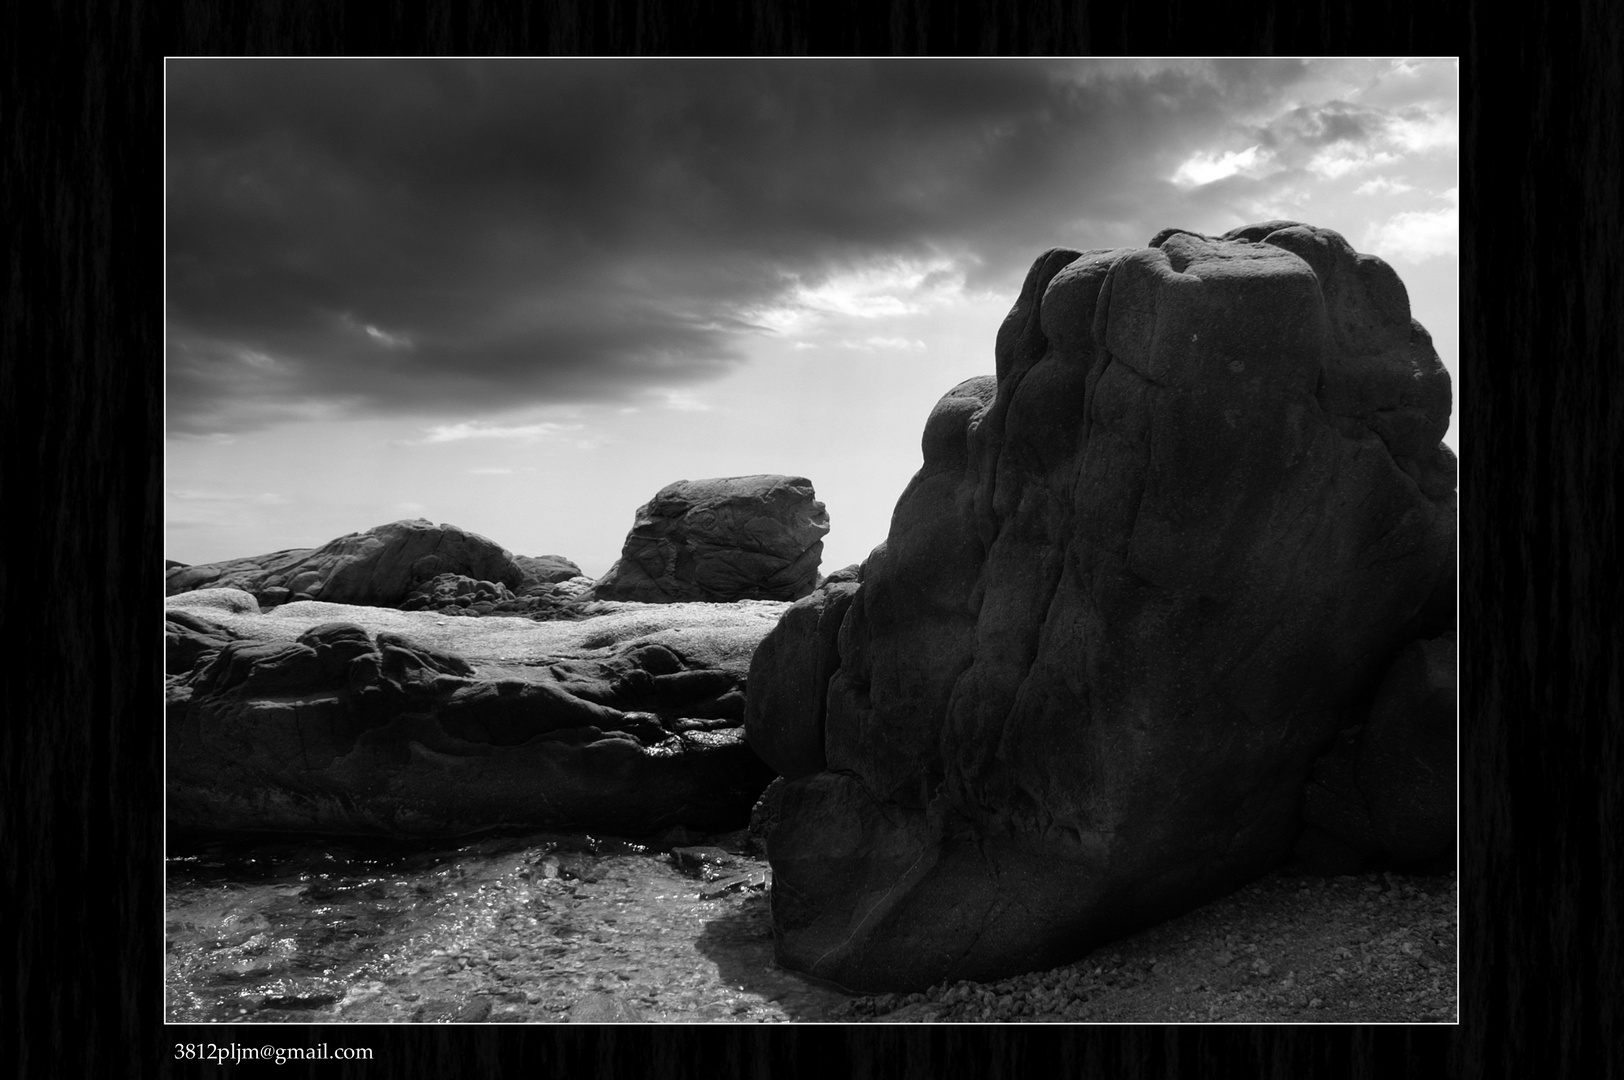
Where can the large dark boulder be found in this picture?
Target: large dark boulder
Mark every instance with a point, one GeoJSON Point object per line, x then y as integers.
{"type": "Point", "coordinates": [620, 723]}
{"type": "Point", "coordinates": [735, 538]}
{"type": "Point", "coordinates": [377, 568]}
{"type": "Point", "coordinates": [1145, 576]}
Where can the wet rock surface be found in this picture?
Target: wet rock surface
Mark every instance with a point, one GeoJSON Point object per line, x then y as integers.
{"type": "Point", "coordinates": [553, 929]}
{"type": "Point", "coordinates": [533, 930]}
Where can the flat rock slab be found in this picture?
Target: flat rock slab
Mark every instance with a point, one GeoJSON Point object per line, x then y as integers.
{"type": "Point", "coordinates": [336, 719]}
{"type": "Point", "coordinates": [721, 634]}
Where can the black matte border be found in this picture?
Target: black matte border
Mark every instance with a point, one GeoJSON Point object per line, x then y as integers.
{"type": "Point", "coordinates": [80, 483]}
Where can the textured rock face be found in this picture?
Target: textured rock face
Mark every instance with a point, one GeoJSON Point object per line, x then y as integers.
{"type": "Point", "coordinates": [783, 719]}
{"type": "Point", "coordinates": [1143, 578]}
{"type": "Point", "coordinates": [454, 589]}
{"type": "Point", "coordinates": [1385, 791]}
{"type": "Point", "coordinates": [619, 723]}
{"type": "Point", "coordinates": [187, 637]}
{"type": "Point", "coordinates": [545, 569]}
{"type": "Point", "coordinates": [737, 538]}
{"type": "Point", "coordinates": [378, 567]}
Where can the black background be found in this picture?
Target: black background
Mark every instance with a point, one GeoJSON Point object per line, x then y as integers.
{"type": "Point", "coordinates": [81, 477]}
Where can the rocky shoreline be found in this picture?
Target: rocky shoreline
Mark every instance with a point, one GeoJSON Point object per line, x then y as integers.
{"type": "Point", "coordinates": [552, 929]}
{"type": "Point", "coordinates": [1169, 604]}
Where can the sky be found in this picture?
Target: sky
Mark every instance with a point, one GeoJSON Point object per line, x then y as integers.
{"type": "Point", "coordinates": [521, 296]}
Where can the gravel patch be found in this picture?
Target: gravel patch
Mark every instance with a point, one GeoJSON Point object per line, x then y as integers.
{"type": "Point", "coordinates": [1355, 949]}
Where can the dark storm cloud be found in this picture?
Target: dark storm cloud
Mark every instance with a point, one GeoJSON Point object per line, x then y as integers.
{"type": "Point", "coordinates": [370, 236]}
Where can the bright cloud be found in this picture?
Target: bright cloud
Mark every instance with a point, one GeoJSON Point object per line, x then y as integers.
{"type": "Point", "coordinates": [1415, 236]}
{"type": "Point", "coordinates": [1206, 167]}
{"type": "Point", "coordinates": [394, 341]}
{"type": "Point", "coordinates": [882, 290]}
{"type": "Point", "coordinates": [1381, 185]}
{"type": "Point", "coordinates": [268, 498]}
{"type": "Point", "coordinates": [444, 433]}
{"type": "Point", "coordinates": [872, 344]}
{"type": "Point", "coordinates": [1418, 132]}
{"type": "Point", "coordinates": [1340, 159]}
{"type": "Point", "coordinates": [681, 401]}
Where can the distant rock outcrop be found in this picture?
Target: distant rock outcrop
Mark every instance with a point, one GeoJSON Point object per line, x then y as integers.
{"type": "Point", "coordinates": [340, 720]}
{"type": "Point", "coordinates": [378, 567]}
{"type": "Point", "coordinates": [736, 538]}
{"type": "Point", "coordinates": [1144, 577]}
{"type": "Point", "coordinates": [545, 569]}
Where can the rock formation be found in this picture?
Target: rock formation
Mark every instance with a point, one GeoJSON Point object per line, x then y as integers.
{"type": "Point", "coordinates": [1144, 578]}
{"type": "Point", "coordinates": [737, 538]}
{"type": "Point", "coordinates": [324, 718]}
{"type": "Point", "coordinates": [545, 570]}
{"type": "Point", "coordinates": [457, 590]}
{"type": "Point", "coordinates": [378, 567]}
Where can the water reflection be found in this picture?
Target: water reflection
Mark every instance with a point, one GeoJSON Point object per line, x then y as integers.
{"type": "Point", "coordinates": [515, 930]}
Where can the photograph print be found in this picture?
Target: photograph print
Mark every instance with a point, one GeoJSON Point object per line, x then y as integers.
{"type": "Point", "coordinates": [760, 541]}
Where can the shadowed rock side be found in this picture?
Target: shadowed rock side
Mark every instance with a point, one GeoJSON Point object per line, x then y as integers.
{"type": "Point", "coordinates": [349, 731]}
{"type": "Point", "coordinates": [736, 538]}
{"type": "Point", "coordinates": [1385, 791]}
{"type": "Point", "coordinates": [1143, 578]}
{"type": "Point", "coordinates": [376, 568]}
{"type": "Point", "coordinates": [784, 718]}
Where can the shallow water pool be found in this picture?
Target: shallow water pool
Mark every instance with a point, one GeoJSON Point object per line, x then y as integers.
{"type": "Point", "coordinates": [513, 930]}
